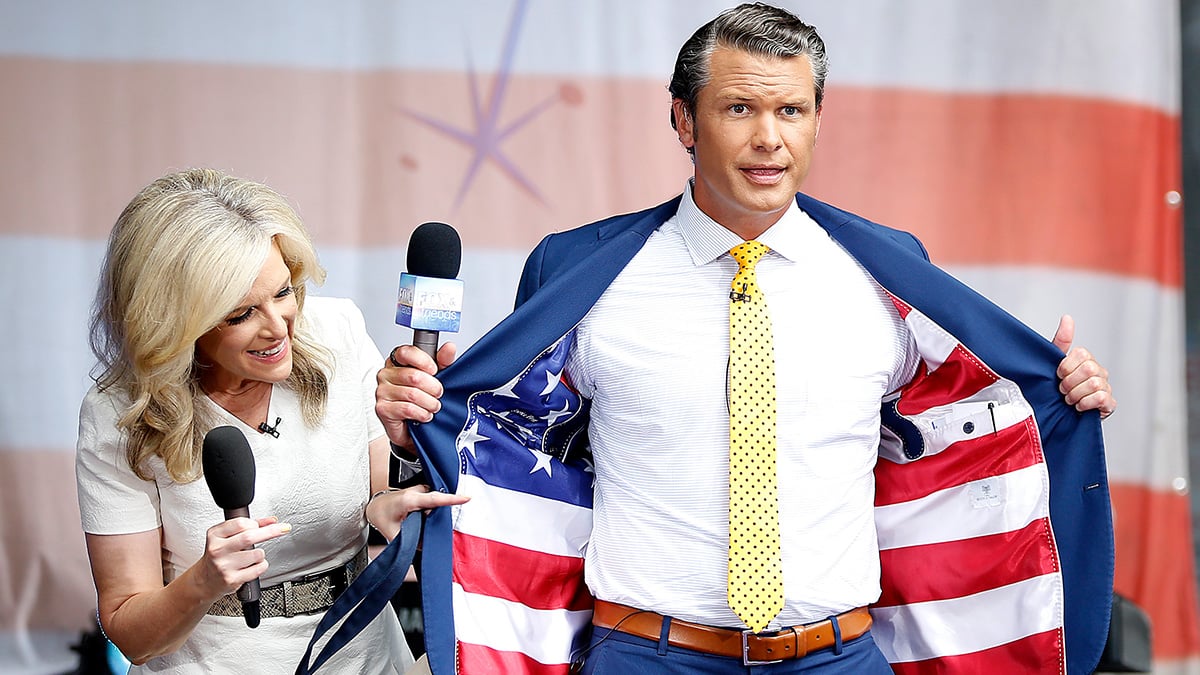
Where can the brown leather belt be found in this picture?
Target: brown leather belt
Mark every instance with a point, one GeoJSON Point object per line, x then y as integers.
{"type": "Point", "coordinates": [751, 648]}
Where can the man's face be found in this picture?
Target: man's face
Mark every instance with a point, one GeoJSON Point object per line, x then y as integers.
{"type": "Point", "coordinates": [753, 133]}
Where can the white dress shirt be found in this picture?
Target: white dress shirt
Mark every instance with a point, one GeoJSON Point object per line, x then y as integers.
{"type": "Point", "coordinates": [652, 355]}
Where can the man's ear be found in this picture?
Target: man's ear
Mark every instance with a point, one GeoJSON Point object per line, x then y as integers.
{"type": "Point", "coordinates": [685, 126]}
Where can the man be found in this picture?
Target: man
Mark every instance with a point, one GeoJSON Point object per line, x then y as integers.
{"type": "Point", "coordinates": [868, 353]}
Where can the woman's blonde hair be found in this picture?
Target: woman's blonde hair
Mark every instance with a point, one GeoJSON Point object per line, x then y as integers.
{"type": "Point", "coordinates": [181, 257]}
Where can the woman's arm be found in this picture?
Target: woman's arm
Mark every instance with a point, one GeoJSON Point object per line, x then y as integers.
{"type": "Point", "coordinates": [144, 618]}
{"type": "Point", "coordinates": [388, 508]}
{"type": "Point", "coordinates": [380, 460]}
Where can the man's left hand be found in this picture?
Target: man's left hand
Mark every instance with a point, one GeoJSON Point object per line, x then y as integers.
{"type": "Point", "coordinates": [1082, 380]}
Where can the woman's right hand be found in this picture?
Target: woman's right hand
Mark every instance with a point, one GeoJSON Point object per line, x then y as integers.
{"type": "Point", "coordinates": [230, 558]}
{"type": "Point", "coordinates": [146, 619]}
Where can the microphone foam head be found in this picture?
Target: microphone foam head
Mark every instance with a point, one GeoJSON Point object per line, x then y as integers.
{"type": "Point", "coordinates": [434, 250]}
{"type": "Point", "coordinates": [229, 467]}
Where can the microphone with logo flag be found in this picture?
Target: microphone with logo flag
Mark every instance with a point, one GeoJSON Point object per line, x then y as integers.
{"type": "Point", "coordinates": [430, 298]}
{"type": "Point", "coordinates": [229, 471]}
{"type": "Point", "coordinates": [429, 301]}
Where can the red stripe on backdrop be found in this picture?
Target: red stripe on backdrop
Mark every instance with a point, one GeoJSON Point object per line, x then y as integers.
{"type": "Point", "coordinates": [480, 660]}
{"type": "Point", "coordinates": [1039, 180]}
{"type": "Point", "coordinates": [956, 569]}
{"type": "Point", "coordinates": [45, 581]}
{"type": "Point", "coordinates": [957, 465]}
{"type": "Point", "coordinates": [532, 578]}
{"type": "Point", "coordinates": [1027, 655]}
{"type": "Point", "coordinates": [345, 146]}
{"type": "Point", "coordinates": [1155, 567]}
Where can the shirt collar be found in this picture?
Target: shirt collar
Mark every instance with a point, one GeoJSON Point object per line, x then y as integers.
{"type": "Point", "coordinates": [707, 240]}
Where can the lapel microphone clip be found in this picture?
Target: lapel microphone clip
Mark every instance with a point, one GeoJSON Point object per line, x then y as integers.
{"type": "Point", "coordinates": [269, 429]}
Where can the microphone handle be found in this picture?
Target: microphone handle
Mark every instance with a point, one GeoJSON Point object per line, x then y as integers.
{"type": "Point", "coordinates": [249, 592]}
{"type": "Point", "coordinates": [426, 341]}
{"type": "Point", "coordinates": [251, 610]}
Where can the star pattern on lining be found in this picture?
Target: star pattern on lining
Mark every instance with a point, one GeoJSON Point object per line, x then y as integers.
{"type": "Point", "coordinates": [552, 416]}
{"type": "Point", "coordinates": [541, 463]}
{"type": "Point", "coordinates": [470, 437]}
{"type": "Point", "coordinates": [522, 428]}
{"type": "Point", "coordinates": [509, 388]}
{"type": "Point", "coordinates": [552, 380]}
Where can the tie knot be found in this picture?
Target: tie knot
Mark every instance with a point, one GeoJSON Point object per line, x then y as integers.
{"type": "Point", "coordinates": [748, 253]}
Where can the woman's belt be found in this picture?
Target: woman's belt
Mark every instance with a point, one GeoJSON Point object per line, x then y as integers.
{"type": "Point", "coordinates": [306, 595]}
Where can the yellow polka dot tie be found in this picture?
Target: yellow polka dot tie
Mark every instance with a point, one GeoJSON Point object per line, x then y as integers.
{"type": "Point", "coordinates": [755, 572]}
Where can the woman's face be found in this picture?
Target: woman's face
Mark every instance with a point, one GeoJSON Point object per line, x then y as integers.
{"type": "Point", "coordinates": [253, 343]}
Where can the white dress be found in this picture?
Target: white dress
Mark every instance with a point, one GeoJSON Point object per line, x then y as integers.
{"type": "Point", "coordinates": [316, 479]}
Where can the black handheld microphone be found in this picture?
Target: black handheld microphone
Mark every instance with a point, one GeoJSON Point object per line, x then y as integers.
{"type": "Point", "coordinates": [229, 471]}
{"type": "Point", "coordinates": [430, 298]}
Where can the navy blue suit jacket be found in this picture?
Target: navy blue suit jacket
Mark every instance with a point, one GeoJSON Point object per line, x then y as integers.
{"type": "Point", "coordinates": [568, 271]}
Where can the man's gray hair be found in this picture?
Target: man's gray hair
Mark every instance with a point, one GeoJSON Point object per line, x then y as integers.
{"type": "Point", "coordinates": [755, 28]}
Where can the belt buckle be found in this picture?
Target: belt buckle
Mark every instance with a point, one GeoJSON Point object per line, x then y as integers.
{"type": "Point", "coordinates": [746, 634]}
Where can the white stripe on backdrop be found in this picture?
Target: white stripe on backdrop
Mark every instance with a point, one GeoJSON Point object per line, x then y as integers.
{"type": "Point", "coordinates": [873, 42]}
{"type": "Point", "coordinates": [103, 97]}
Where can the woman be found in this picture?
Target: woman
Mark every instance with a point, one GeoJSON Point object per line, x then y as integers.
{"type": "Point", "coordinates": [201, 321]}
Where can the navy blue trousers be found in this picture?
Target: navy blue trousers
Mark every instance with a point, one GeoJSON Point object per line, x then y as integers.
{"type": "Point", "coordinates": [617, 653]}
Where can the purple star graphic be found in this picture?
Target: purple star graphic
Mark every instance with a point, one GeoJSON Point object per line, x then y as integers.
{"type": "Point", "coordinates": [488, 135]}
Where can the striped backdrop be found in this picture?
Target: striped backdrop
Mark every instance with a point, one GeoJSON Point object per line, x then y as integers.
{"type": "Point", "coordinates": [1032, 144]}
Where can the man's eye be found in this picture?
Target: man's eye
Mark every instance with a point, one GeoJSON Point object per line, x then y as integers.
{"type": "Point", "coordinates": [791, 110]}
{"type": "Point", "coordinates": [737, 108]}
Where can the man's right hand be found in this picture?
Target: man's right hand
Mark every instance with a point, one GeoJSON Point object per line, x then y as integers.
{"type": "Point", "coordinates": [407, 389]}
